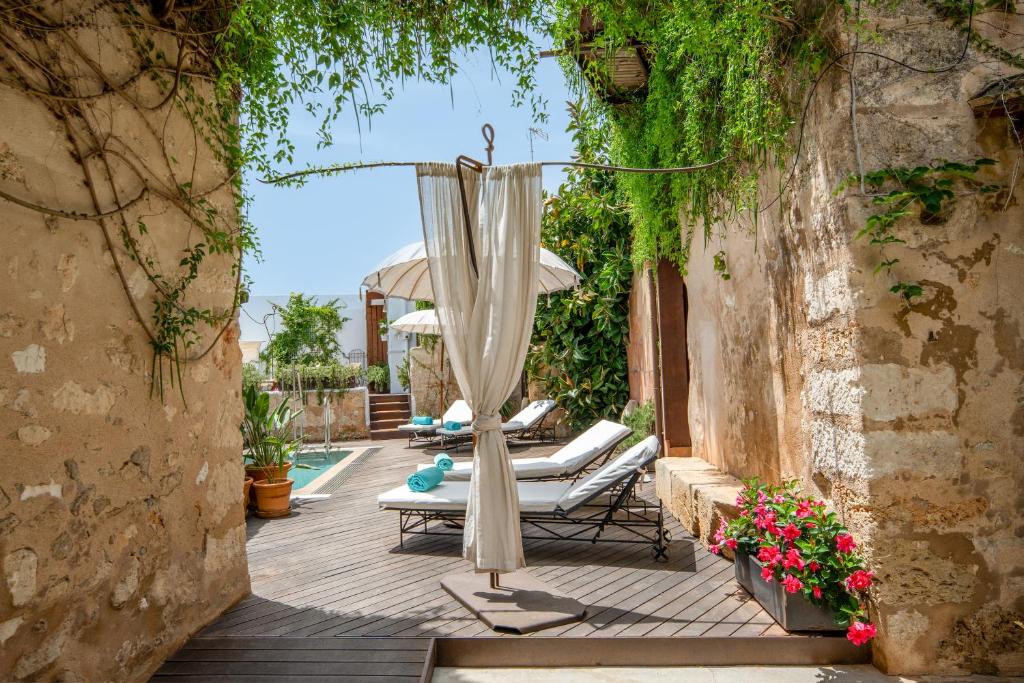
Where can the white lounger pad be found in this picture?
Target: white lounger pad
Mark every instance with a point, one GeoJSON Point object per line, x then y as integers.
{"type": "Point", "coordinates": [534, 496]}
{"type": "Point", "coordinates": [533, 413]}
{"type": "Point", "coordinates": [568, 459]}
{"type": "Point", "coordinates": [467, 431]}
{"type": "Point", "coordinates": [419, 428]}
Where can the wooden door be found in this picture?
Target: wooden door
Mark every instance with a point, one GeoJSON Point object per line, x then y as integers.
{"type": "Point", "coordinates": [675, 371]}
{"type": "Point", "coordinates": [376, 312]}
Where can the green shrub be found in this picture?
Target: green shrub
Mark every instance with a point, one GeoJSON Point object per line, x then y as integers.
{"type": "Point", "coordinates": [378, 376]}
{"type": "Point", "coordinates": [317, 377]}
{"type": "Point", "coordinates": [641, 421]}
{"type": "Point", "coordinates": [252, 376]}
{"type": "Point", "coordinates": [403, 373]}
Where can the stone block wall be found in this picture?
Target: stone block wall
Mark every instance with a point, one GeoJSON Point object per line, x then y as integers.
{"type": "Point", "coordinates": [348, 413]}
{"type": "Point", "coordinates": [426, 378]}
{"type": "Point", "coordinates": [121, 525]}
{"type": "Point", "coordinates": [906, 417]}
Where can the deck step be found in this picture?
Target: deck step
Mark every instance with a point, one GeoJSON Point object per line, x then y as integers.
{"type": "Point", "coordinates": [390, 413]}
{"type": "Point", "coordinates": [387, 423]}
{"type": "Point", "coordinates": [377, 434]}
{"type": "Point", "coordinates": [379, 399]}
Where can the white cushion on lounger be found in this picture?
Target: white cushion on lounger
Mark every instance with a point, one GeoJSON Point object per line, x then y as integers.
{"type": "Point", "coordinates": [609, 473]}
{"type": "Point", "coordinates": [569, 459]}
{"type": "Point", "coordinates": [531, 414]}
{"type": "Point", "coordinates": [534, 496]}
{"type": "Point", "coordinates": [458, 412]}
{"type": "Point", "coordinates": [412, 427]}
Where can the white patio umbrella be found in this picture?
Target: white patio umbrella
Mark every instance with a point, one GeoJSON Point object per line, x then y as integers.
{"type": "Point", "coordinates": [418, 322]}
{"type": "Point", "coordinates": [405, 274]}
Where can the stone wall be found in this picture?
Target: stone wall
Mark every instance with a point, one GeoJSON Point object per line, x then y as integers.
{"type": "Point", "coordinates": [121, 525]}
{"type": "Point", "coordinates": [640, 351]}
{"type": "Point", "coordinates": [348, 414]}
{"type": "Point", "coordinates": [426, 377]}
{"type": "Point", "coordinates": [907, 418]}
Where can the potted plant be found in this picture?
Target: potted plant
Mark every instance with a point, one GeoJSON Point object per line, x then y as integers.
{"type": "Point", "coordinates": [263, 430]}
{"type": "Point", "coordinates": [246, 488]}
{"type": "Point", "coordinates": [382, 329]}
{"type": "Point", "coordinates": [798, 561]}
{"type": "Point", "coordinates": [378, 377]}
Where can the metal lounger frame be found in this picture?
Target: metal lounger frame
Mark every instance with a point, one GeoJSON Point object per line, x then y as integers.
{"type": "Point", "coordinates": [644, 521]}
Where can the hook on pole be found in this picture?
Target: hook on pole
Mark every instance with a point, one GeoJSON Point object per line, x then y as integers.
{"type": "Point", "coordinates": [488, 132]}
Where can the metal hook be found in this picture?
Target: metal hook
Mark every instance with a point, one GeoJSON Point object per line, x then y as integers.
{"type": "Point", "coordinates": [488, 132]}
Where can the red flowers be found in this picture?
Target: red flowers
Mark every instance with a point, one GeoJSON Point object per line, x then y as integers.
{"type": "Point", "coordinates": [792, 584]}
{"type": "Point", "coordinates": [793, 559]}
{"type": "Point", "coordinates": [767, 574]}
{"type": "Point", "coordinates": [860, 632]}
{"type": "Point", "coordinates": [731, 543]}
{"type": "Point", "coordinates": [859, 580]}
{"type": "Point", "coordinates": [769, 555]}
{"type": "Point", "coordinates": [813, 566]}
{"type": "Point", "coordinates": [844, 543]}
{"type": "Point", "coordinates": [803, 509]}
{"type": "Point", "coordinates": [791, 532]}
{"type": "Point", "coordinates": [817, 591]}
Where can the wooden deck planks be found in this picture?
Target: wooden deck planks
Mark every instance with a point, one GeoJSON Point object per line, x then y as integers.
{"type": "Point", "coordinates": [335, 596]}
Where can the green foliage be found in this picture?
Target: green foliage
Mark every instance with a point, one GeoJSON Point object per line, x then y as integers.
{"type": "Point", "coordinates": [308, 335]}
{"type": "Point", "coordinates": [378, 376]}
{"type": "Point", "coordinates": [641, 421]}
{"type": "Point", "coordinates": [924, 191]}
{"type": "Point", "coordinates": [279, 52]}
{"type": "Point", "coordinates": [331, 375]}
{"type": "Point", "coordinates": [252, 376]}
{"type": "Point", "coordinates": [716, 90]}
{"type": "Point", "coordinates": [403, 373]}
{"type": "Point", "coordinates": [264, 431]}
{"type": "Point", "coordinates": [579, 341]}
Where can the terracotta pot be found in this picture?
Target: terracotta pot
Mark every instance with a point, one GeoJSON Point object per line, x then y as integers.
{"type": "Point", "coordinates": [245, 495]}
{"type": "Point", "coordinates": [273, 498]}
{"type": "Point", "coordinates": [258, 474]}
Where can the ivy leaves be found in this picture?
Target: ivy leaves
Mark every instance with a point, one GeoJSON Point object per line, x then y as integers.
{"type": "Point", "coordinates": [578, 352]}
{"type": "Point", "coordinates": [925, 191]}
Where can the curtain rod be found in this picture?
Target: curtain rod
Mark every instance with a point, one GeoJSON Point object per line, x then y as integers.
{"type": "Point", "coordinates": [341, 168]}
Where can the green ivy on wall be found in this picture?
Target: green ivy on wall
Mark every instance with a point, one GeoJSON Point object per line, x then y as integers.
{"type": "Point", "coordinates": [717, 89]}
{"type": "Point", "coordinates": [578, 352]}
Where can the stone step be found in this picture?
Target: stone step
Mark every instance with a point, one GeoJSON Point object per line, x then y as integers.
{"type": "Point", "coordinates": [379, 434]}
{"type": "Point", "coordinates": [697, 493]}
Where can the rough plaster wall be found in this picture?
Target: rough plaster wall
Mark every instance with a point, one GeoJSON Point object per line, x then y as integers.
{"type": "Point", "coordinates": [121, 528]}
{"type": "Point", "coordinates": [909, 419]}
{"type": "Point", "coordinates": [425, 381]}
{"type": "Point", "coordinates": [639, 352]}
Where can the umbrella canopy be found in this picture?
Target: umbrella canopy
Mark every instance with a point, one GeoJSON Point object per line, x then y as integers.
{"type": "Point", "coordinates": [418, 322]}
{"type": "Point", "coordinates": [405, 275]}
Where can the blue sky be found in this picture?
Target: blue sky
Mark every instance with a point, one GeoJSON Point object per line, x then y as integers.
{"type": "Point", "coordinates": [323, 238]}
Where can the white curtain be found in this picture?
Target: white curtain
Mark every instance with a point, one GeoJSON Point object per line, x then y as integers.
{"type": "Point", "coordinates": [486, 321]}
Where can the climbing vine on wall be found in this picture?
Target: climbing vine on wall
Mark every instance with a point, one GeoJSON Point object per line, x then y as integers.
{"type": "Point", "coordinates": [578, 351]}
{"type": "Point", "coordinates": [925, 192]}
{"type": "Point", "coordinates": [717, 90]}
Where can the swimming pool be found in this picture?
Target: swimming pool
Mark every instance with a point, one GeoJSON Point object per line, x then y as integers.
{"type": "Point", "coordinates": [318, 463]}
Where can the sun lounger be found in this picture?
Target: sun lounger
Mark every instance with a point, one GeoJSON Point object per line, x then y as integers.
{"type": "Point", "coordinates": [572, 511]}
{"type": "Point", "coordinates": [568, 462]}
{"type": "Point", "coordinates": [458, 412]}
{"type": "Point", "coordinates": [526, 422]}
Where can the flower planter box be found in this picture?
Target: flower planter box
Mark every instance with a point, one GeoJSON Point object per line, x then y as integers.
{"type": "Point", "coordinates": [793, 611]}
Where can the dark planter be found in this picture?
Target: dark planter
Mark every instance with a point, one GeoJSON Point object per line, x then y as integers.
{"type": "Point", "coordinates": [793, 611]}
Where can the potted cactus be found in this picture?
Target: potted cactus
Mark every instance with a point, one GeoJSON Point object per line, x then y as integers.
{"type": "Point", "coordinates": [264, 433]}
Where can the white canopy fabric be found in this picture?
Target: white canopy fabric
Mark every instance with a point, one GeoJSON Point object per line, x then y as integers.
{"type": "Point", "coordinates": [405, 274]}
{"type": "Point", "coordinates": [418, 322]}
{"type": "Point", "coordinates": [486, 320]}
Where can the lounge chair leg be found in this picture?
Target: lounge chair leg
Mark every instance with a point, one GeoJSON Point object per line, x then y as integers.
{"type": "Point", "coordinates": [494, 580]}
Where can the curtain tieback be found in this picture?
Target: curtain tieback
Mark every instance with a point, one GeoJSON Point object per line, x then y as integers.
{"type": "Point", "coordinates": [486, 423]}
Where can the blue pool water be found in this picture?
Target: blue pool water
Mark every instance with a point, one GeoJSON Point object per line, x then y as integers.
{"type": "Point", "coordinates": [318, 461]}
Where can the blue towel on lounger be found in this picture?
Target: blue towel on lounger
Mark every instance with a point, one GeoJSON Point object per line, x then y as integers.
{"type": "Point", "coordinates": [444, 462]}
{"type": "Point", "coordinates": [453, 425]}
{"type": "Point", "coordinates": [423, 420]}
{"type": "Point", "coordinates": [424, 480]}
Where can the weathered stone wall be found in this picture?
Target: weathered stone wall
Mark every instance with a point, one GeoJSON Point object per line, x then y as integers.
{"type": "Point", "coordinates": [121, 529]}
{"type": "Point", "coordinates": [640, 351]}
{"type": "Point", "coordinates": [426, 377]}
{"type": "Point", "coordinates": [907, 418]}
{"type": "Point", "coordinates": [348, 414]}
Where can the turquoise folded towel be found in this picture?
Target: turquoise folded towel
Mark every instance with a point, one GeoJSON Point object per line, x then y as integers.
{"type": "Point", "coordinates": [424, 480]}
{"type": "Point", "coordinates": [444, 462]}
{"type": "Point", "coordinates": [453, 425]}
{"type": "Point", "coordinates": [423, 420]}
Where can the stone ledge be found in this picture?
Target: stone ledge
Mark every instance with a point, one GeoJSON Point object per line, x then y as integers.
{"type": "Point", "coordinates": [697, 493]}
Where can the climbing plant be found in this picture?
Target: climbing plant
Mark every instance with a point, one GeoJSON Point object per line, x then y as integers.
{"type": "Point", "coordinates": [718, 89]}
{"type": "Point", "coordinates": [578, 351]}
{"type": "Point", "coordinates": [924, 192]}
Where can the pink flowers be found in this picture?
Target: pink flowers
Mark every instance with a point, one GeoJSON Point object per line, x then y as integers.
{"type": "Point", "coordinates": [767, 574]}
{"type": "Point", "coordinates": [715, 549]}
{"type": "Point", "coordinates": [769, 555]}
{"type": "Point", "coordinates": [859, 580]}
{"type": "Point", "coordinates": [860, 632]}
{"type": "Point", "coordinates": [803, 509]}
{"type": "Point", "coordinates": [731, 543]}
{"type": "Point", "coordinates": [791, 532]}
{"type": "Point", "coordinates": [793, 559]}
{"type": "Point", "coordinates": [813, 566]}
{"type": "Point", "coordinates": [816, 590]}
{"type": "Point", "coordinates": [844, 543]}
{"type": "Point", "coordinates": [792, 584]}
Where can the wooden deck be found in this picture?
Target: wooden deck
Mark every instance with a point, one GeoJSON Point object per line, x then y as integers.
{"type": "Point", "coordinates": [334, 570]}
